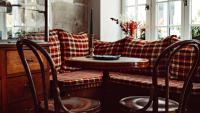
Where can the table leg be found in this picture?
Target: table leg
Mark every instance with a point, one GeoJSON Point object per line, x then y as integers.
{"type": "Point", "coordinates": [105, 92]}
{"type": "Point", "coordinates": [106, 76]}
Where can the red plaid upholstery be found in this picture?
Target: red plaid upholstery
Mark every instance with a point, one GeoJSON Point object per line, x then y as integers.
{"type": "Point", "coordinates": [146, 49]}
{"type": "Point", "coordinates": [88, 78]}
{"type": "Point", "coordinates": [145, 81]}
{"type": "Point", "coordinates": [181, 64]}
{"type": "Point", "coordinates": [72, 45]}
{"type": "Point", "coordinates": [54, 49]}
{"type": "Point", "coordinates": [109, 48]}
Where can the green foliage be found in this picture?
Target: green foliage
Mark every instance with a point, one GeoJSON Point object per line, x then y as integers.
{"type": "Point", "coordinates": [20, 33]}
{"type": "Point", "coordinates": [195, 31]}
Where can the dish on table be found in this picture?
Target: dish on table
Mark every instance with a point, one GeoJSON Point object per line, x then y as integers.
{"type": "Point", "coordinates": [106, 57]}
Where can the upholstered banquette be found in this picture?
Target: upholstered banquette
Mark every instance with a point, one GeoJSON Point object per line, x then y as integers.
{"type": "Point", "coordinates": [76, 81]}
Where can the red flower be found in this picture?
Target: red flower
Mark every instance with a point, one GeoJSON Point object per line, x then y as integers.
{"type": "Point", "coordinates": [128, 27]}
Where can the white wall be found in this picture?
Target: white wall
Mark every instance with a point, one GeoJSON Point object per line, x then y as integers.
{"type": "Point", "coordinates": [104, 27]}
{"type": "Point", "coordinates": [110, 31]}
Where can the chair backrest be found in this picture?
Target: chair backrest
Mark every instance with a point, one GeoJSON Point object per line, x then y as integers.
{"type": "Point", "coordinates": [38, 51]}
{"type": "Point", "coordinates": [168, 54]}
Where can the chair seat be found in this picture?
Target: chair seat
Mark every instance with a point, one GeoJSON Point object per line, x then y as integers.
{"type": "Point", "coordinates": [138, 102]}
{"type": "Point", "coordinates": [76, 105]}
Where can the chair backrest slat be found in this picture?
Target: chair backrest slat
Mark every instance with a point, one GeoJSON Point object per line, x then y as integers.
{"type": "Point", "coordinates": [38, 51]}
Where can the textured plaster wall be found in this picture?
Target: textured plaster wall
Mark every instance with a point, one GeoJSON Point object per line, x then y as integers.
{"type": "Point", "coordinates": [70, 15]}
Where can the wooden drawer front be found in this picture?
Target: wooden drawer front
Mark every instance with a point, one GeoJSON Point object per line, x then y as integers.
{"type": "Point", "coordinates": [21, 107]}
{"type": "Point", "coordinates": [18, 88]}
{"type": "Point", "coordinates": [14, 64]}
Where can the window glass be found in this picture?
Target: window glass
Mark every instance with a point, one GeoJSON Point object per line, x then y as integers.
{"type": "Point", "coordinates": [195, 13]}
{"type": "Point", "coordinates": [135, 10]}
{"type": "Point", "coordinates": [141, 1]}
{"type": "Point", "coordinates": [130, 12]}
{"type": "Point", "coordinates": [130, 2]}
{"type": "Point", "coordinates": [175, 13]}
{"type": "Point", "coordinates": [161, 32]}
{"type": "Point", "coordinates": [25, 18]}
{"type": "Point", "coordinates": [162, 14]}
{"type": "Point", "coordinates": [171, 17]}
{"type": "Point", "coordinates": [175, 31]}
{"type": "Point", "coordinates": [161, 0]}
{"type": "Point", "coordinates": [141, 18]}
{"type": "Point", "coordinates": [168, 14]}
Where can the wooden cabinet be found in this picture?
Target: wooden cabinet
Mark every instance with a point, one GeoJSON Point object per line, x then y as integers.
{"type": "Point", "coordinates": [18, 68]}
{"type": "Point", "coordinates": [15, 95]}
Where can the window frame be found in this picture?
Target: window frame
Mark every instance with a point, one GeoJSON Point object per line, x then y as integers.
{"type": "Point", "coordinates": [151, 19]}
{"type": "Point", "coordinates": [148, 18]}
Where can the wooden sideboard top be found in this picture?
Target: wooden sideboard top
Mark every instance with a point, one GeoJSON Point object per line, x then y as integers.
{"type": "Point", "coordinates": [12, 43]}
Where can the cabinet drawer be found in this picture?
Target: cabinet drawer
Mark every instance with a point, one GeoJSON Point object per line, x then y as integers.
{"type": "Point", "coordinates": [18, 88]}
{"type": "Point", "coordinates": [14, 64]}
{"type": "Point", "coordinates": [21, 107]}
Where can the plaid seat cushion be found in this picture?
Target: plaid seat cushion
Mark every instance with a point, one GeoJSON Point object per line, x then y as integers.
{"type": "Point", "coordinates": [72, 45]}
{"type": "Point", "coordinates": [147, 49]}
{"type": "Point", "coordinates": [181, 64]}
{"type": "Point", "coordinates": [145, 81]}
{"type": "Point", "coordinates": [88, 78]}
{"type": "Point", "coordinates": [109, 48]}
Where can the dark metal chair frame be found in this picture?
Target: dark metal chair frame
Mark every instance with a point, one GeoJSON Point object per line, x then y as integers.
{"type": "Point", "coordinates": [169, 52]}
{"type": "Point", "coordinates": [58, 105]}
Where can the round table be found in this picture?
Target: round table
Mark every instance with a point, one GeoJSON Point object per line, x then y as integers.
{"type": "Point", "coordinates": [108, 65]}
{"type": "Point", "coordinates": [123, 63]}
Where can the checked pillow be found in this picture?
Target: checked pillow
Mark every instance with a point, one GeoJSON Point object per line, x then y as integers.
{"type": "Point", "coordinates": [54, 45]}
{"type": "Point", "coordinates": [109, 48]}
{"type": "Point", "coordinates": [72, 45]}
{"type": "Point", "coordinates": [54, 49]}
{"type": "Point", "coordinates": [181, 64]}
{"type": "Point", "coordinates": [147, 49]}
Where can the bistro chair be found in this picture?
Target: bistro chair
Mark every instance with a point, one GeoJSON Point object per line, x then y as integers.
{"type": "Point", "coordinates": [156, 104]}
{"type": "Point", "coordinates": [56, 104]}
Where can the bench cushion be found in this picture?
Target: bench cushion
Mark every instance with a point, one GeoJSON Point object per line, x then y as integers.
{"type": "Point", "coordinates": [145, 81]}
{"type": "Point", "coordinates": [88, 78]}
{"type": "Point", "coordinates": [72, 45]}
